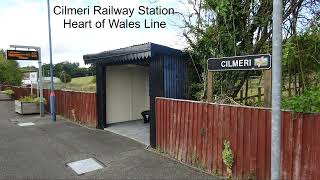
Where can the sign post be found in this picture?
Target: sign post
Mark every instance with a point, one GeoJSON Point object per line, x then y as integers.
{"type": "Point", "coordinates": [210, 87]}
{"type": "Point", "coordinates": [28, 55]}
{"type": "Point", "coordinates": [267, 83]}
{"type": "Point", "coordinates": [33, 77]}
{"type": "Point", "coordinates": [249, 62]}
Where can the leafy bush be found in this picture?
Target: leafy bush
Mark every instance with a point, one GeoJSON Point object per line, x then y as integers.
{"type": "Point", "coordinates": [32, 99]}
{"type": "Point", "coordinates": [8, 92]}
{"type": "Point", "coordinates": [10, 73]}
{"type": "Point", "coordinates": [308, 102]}
{"type": "Point", "coordinates": [196, 91]}
{"type": "Point", "coordinates": [65, 78]}
{"type": "Point", "coordinates": [227, 155]}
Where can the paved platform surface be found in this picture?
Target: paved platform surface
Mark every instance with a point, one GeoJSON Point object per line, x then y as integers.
{"type": "Point", "coordinates": [42, 152]}
{"type": "Point", "coordinates": [136, 130]}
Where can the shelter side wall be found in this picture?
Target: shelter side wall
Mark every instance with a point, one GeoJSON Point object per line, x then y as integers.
{"type": "Point", "coordinates": [175, 73]}
{"type": "Point", "coordinates": [101, 95]}
{"type": "Point", "coordinates": [156, 90]}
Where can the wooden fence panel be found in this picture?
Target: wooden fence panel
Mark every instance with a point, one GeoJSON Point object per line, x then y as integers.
{"type": "Point", "coordinates": [76, 106]}
{"type": "Point", "coordinates": [194, 132]}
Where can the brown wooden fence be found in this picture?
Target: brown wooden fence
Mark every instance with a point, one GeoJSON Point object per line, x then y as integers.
{"type": "Point", "coordinates": [193, 132]}
{"type": "Point", "coordinates": [76, 106]}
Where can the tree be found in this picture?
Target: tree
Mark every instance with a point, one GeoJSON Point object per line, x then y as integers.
{"type": "Point", "coordinates": [301, 60]}
{"type": "Point", "coordinates": [28, 69]}
{"type": "Point", "coordinates": [46, 70]}
{"type": "Point", "coordinates": [65, 78]}
{"type": "Point", "coordinates": [67, 67]}
{"type": "Point", "coordinates": [92, 70]}
{"type": "Point", "coordinates": [2, 55]}
{"type": "Point", "coordinates": [10, 73]}
{"type": "Point", "coordinates": [218, 28]}
{"type": "Point", "coordinates": [72, 69]}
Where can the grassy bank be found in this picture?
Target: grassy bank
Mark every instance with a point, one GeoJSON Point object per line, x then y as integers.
{"type": "Point", "coordinates": [77, 84]}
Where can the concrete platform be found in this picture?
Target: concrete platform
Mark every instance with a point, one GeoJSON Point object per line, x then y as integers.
{"type": "Point", "coordinates": [43, 151]}
{"type": "Point", "coordinates": [136, 130]}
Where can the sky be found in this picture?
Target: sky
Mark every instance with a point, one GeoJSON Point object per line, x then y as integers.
{"type": "Point", "coordinates": [24, 22]}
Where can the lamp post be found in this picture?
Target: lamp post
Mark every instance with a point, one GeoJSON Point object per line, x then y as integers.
{"type": "Point", "coordinates": [52, 94]}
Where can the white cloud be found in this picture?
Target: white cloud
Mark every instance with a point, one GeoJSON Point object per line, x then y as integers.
{"type": "Point", "coordinates": [25, 22]}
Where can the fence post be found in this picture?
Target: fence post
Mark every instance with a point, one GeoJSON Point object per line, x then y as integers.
{"type": "Point", "coordinates": [267, 88]}
{"type": "Point", "coordinates": [259, 95]}
{"type": "Point", "coordinates": [210, 87]}
{"type": "Point", "coordinates": [290, 88]}
{"type": "Point", "coordinates": [247, 88]}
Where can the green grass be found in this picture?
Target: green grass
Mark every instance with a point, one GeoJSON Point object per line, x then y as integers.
{"type": "Point", "coordinates": [83, 80]}
{"type": "Point", "coordinates": [77, 84]}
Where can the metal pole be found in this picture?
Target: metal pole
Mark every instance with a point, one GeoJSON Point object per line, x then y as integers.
{"type": "Point", "coordinates": [276, 89]}
{"type": "Point", "coordinates": [31, 88]}
{"type": "Point", "coordinates": [38, 89]}
{"type": "Point", "coordinates": [52, 94]}
{"type": "Point", "coordinates": [41, 85]}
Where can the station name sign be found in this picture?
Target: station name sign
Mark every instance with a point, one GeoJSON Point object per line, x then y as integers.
{"type": "Point", "coordinates": [22, 55]}
{"type": "Point", "coordinates": [250, 62]}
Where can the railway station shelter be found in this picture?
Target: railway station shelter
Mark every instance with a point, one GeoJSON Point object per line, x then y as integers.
{"type": "Point", "coordinates": [128, 81]}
